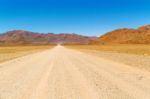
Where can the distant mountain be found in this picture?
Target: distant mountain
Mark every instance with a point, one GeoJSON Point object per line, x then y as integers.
{"type": "Point", "coordinates": [26, 37]}
{"type": "Point", "coordinates": [126, 36]}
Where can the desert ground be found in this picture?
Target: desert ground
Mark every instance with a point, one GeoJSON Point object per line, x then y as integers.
{"type": "Point", "coordinates": [11, 52]}
{"type": "Point", "coordinates": [73, 73]}
{"type": "Point", "coordinates": [136, 55]}
{"type": "Point", "coordinates": [136, 49]}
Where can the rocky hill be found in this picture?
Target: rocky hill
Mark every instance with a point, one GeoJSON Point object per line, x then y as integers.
{"type": "Point", "coordinates": [126, 36]}
{"type": "Point", "coordinates": [26, 37]}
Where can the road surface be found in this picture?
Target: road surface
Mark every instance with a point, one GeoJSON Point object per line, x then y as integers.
{"type": "Point", "coordinates": [62, 73]}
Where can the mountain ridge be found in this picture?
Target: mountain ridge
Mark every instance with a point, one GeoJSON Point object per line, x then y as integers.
{"type": "Point", "coordinates": [140, 35]}
{"type": "Point", "coordinates": [27, 37]}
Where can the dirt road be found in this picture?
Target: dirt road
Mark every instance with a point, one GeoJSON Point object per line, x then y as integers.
{"type": "Point", "coordinates": [62, 73]}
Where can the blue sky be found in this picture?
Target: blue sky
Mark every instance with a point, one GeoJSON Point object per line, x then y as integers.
{"type": "Point", "coordinates": [87, 17]}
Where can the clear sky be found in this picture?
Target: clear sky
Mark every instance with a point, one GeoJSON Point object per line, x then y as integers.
{"type": "Point", "coordinates": [87, 17]}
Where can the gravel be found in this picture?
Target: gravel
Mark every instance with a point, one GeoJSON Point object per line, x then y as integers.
{"type": "Point", "coordinates": [140, 61]}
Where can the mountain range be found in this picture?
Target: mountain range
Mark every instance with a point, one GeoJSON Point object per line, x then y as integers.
{"type": "Point", "coordinates": [26, 37]}
{"type": "Point", "coordinates": [140, 35]}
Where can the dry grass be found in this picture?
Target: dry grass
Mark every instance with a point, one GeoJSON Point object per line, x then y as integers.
{"type": "Point", "coordinates": [138, 49]}
{"type": "Point", "coordinates": [11, 52]}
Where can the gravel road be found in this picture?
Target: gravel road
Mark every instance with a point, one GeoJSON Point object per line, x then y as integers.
{"type": "Point", "coordinates": [62, 73]}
